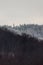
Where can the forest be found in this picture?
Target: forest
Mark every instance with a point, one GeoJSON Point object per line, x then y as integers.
{"type": "Point", "coordinates": [16, 49]}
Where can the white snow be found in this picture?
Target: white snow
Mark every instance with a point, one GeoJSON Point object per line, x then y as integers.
{"type": "Point", "coordinates": [33, 30]}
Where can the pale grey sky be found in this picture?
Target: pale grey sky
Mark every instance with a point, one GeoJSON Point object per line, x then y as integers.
{"type": "Point", "coordinates": [21, 11]}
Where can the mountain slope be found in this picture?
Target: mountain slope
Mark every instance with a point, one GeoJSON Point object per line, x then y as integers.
{"type": "Point", "coordinates": [33, 30]}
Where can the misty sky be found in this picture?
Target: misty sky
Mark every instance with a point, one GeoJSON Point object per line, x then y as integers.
{"type": "Point", "coordinates": [21, 11]}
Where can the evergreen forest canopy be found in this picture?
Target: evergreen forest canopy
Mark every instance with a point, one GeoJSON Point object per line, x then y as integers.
{"type": "Point", "coordinates": [19, 49]}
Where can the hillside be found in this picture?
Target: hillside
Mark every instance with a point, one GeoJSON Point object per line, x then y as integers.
{"type": "Point", "coordinates": [33, 30]}
{"type": "Point", "coordinates": [18, 48]}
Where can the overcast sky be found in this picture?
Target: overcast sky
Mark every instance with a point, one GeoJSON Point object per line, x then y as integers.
{"type": "Point", "coordinates": [21, 11]}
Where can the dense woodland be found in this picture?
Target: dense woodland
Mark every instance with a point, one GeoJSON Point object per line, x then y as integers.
{"type": "Point", "coordinates": [21, 49]}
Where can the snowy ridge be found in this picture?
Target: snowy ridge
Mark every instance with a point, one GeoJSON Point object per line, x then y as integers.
{"type": "Point", "coordinates": [33, 30]}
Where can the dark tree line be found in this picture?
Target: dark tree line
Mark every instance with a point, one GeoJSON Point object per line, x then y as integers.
{"type": "Point", "coordinates": [27, 49]}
